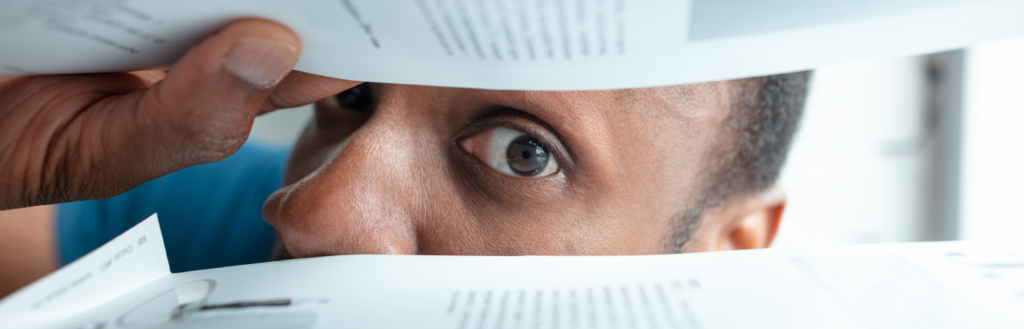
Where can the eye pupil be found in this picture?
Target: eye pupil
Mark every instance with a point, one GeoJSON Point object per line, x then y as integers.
{"type": "Point", "coordinates": [526, 156]}
{"type": "Point", "coordinates": [356, 98]}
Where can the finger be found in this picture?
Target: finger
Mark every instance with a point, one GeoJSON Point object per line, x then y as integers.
{"type": "Point", "coordinates": [5, 78]}
{"type": "Point", "coordinates": [204, 108]}
{"type": "Point", "coordinates": [150, 76]}
{"type": "Point", "coordinates": [301, 88]}
{"type": "Point", "coordinates": [202, 111]}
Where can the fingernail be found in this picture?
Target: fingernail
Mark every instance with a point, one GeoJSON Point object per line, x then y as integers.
{"type": "Point", "coordinates": [262, 63]}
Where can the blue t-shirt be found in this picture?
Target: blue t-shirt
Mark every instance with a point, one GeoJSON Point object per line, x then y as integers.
{"type": "Point", "coordinates": [210, 214]}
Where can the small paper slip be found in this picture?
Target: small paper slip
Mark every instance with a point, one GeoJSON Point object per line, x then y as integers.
{"type": "Point", "coordinates": [126, 284]}
{"type": "Point", "coordinates": [506, 44]}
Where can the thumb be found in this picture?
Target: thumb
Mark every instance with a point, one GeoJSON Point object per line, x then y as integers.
{"type": "Point", "coordinates": [204, 109]}
{"type": "Point", "coordinates": [79, 137]}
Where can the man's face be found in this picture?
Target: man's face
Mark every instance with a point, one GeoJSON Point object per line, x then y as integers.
{"type": "Point", "coordinates": [404, 169]}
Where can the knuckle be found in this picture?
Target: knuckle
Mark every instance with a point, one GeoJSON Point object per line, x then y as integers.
{"type": "Point", "coordinates": [213, 142]}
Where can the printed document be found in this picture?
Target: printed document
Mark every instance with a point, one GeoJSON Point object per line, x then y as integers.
{"type": "Point", "coordinates": [126, 284]}
{"type": "Point", "coordinates": [508, 44]}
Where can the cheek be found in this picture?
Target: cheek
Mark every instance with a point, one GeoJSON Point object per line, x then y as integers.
{"type": "Point", "coordinates": [570, 226]}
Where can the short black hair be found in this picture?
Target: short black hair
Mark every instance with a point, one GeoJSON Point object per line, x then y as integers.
{"type": "Point", "coordinates": [764, 116]}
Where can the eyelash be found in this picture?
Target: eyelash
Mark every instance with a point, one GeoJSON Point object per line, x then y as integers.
{"type": "Point", "coordinates": [497, 118]}
{"type": "Point", "coordinates": [511, 152]}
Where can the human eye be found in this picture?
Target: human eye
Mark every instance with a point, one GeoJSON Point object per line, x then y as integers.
{"type": "Point", "coordinates": [346, 110]}
{"type": "Point", "coordinates": [511, 152]}
{"type": "Point", "coordinates": [356, 98]}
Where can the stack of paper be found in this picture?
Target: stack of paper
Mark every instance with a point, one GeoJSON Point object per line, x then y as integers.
{"type": "Point", "coordinates": [506, 44]}
{"type": "Point", "coordinates": [126, 284]}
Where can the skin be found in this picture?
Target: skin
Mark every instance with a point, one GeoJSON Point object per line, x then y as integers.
{"type": "Point", "coordinates": [396, 179]}
{"type": "Point", "coordinates": [26, 247]}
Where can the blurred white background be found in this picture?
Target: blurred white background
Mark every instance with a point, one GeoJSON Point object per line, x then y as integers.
{"type": "Point", "coordinates": [993, 161]}
{"type": "Point", "coordinates": [891, 150]}
{"type": "Point", "coordinates": [885, 155]}
{"type": "Point", "coordinates": [855, 171]}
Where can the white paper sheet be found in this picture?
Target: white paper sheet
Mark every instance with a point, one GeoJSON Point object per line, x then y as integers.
{"type": "Point", "coordinates": [130, 261]}
{"type": "Point", "coordinates": [918, 285]}
{"type": "Point", "coordinates": [508, 44]}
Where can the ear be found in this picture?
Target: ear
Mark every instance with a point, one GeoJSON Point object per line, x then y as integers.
{"type": "Point", "coordinates": [753, 222]}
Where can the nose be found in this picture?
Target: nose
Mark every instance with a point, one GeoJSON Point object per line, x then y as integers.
{"type": "Point", "coordinates": [363, 200]}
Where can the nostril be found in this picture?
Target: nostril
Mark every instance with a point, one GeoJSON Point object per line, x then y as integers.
{"type": "Point", "coordinates": [280, 252]}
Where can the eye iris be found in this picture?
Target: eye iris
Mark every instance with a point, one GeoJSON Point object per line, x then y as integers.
{"type": "Point", "coordinates": [526, 156]}
{"type": "Point", "coordinates": [356, 98]}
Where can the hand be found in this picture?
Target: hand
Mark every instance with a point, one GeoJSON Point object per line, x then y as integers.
{"type": "Point", "coordinates": [77, 137]}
